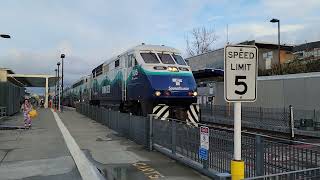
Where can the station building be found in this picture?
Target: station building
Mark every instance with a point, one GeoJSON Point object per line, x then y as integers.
{"type": "Point", "coordinates": [214, 61]}
{"type": "Point", "coordinates": [268, 56]}
{"type": "Point", "coordinates": [293, 89]}
{"type": "Point", "coordinates": [307, 51]}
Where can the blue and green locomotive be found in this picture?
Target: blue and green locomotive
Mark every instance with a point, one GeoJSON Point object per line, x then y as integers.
{"type": "Point", "coordinates": [147, 79]}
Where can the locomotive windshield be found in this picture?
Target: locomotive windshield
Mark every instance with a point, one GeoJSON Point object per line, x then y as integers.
{"type": "Point", "coordinates": [179, 60]}
{"type": "Point", "coordinates": [166, 58]}
{"type": "Point", "coordinates": [150, 58]}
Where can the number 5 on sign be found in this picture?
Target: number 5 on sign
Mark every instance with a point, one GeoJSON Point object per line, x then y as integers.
{"type": "Point", "coordinates": [240, 73]}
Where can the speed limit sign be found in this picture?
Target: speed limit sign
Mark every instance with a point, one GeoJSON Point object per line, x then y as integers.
{"type": "Point", "coordinates": [240, 73]}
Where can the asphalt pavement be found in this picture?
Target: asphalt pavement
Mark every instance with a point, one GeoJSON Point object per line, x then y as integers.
{"type": "Point", "coordinates": [36, 153]}
{"type": "Point", "coordinates": [119, 158]}
{"type": "Point", "coordinates": [42, 153]}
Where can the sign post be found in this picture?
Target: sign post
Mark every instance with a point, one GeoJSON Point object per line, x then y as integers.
{"type": "Point", "coordinates": [204, 145]}
{"type": "Point", "coordinates": [240, 85]}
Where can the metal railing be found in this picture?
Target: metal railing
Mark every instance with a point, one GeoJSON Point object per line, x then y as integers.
{"type": "Point", "coordinates": [263, 155]}
{"type": "Point", "coordinates": [274, 119]}
{"type": "Point", "coordinates": [132, 127]}
{"type": "Point", "coordinates": [306, 174]}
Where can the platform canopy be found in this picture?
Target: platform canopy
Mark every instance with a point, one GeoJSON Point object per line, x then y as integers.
{"type": "Point", "coordinates": [29, 80]}
{"type": "Point", "coordinates": [32, 80]}
{"type": "Point", "coordinates": [208, 74]}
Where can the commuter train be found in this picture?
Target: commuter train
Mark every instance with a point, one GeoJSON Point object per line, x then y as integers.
{"type": "Point", "coordinates": [147, 79]}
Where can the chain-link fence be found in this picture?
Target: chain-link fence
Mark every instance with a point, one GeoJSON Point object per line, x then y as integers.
{"type": "Point", "coordinates": [274, 119]}
{"type": "Point", "coordinates": [263, 155]}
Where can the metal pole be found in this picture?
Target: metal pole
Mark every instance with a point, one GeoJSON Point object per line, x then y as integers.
{"type": "Point", "coordinates": [62, 83]}
{"type": "Point", "coordinates": [237, 165]}
{"type": "Point", "coordinates": [237, 131]}
{"type": "Point", "coordinates": [150, 131]}
{"type": "Point", "coordinates": [291, 121]}
{"type": "Point", "coordinates": [60, 98]}
{"type": "Point", "coordinates": [279, 45]}
{"type": "Point", "coordinates": [173, 136]}
{"type": "Point", "coordinates": [58, 88]}
{"type": "Point", "coordinates": [55, 93]}
{"type": "Point", "coordinates": [259, 145]}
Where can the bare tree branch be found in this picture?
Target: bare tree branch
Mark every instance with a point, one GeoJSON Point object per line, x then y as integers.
{"type": "Point", "coordinates": [201, 41]}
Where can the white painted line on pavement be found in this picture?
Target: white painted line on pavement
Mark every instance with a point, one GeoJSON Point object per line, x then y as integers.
{"type": "Point", "coordinates": [85, 167]}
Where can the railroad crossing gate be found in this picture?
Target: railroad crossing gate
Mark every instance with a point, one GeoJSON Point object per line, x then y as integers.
{"type": "Point", "coordinates": [240, 77]}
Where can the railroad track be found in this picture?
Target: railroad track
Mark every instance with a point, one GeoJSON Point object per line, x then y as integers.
{"type": "Point", "coordinates": [266, 133]}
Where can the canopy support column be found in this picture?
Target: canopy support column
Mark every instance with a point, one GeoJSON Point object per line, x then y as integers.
{"type": "Point", "coordinates": [46, 93]}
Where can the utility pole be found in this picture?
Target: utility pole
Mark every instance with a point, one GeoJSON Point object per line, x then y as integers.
{"type": "Point", "coordinates": [59, 86]}
{"type": "Point", "coordinates": [278, 21]}
{"type": "Point", "coordinates": [55, 93]}
{"type": "Point", "coordinates": [62, 57]}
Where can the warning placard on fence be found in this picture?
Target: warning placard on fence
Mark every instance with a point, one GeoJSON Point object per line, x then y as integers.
{"type": "Point", "coordinates": [204, 142]}
{"type": "Point", "coordinates": [204, 137]}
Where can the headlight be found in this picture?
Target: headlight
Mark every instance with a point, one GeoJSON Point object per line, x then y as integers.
{"type": "Point", "coordinates": [173, 69]}
{"type": "Point", "coordinates": [183, 69]}
{"type": "Point", "coordinates": [160, 68]}
{"type": "Point", "coordinates": [192, 93]}
{"type": "Point", "coordinates": [157, 93]}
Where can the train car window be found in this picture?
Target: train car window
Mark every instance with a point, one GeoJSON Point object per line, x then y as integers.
{"type": "Point", "coordinates": [105, 68]}
{"type": "Point", "coordinates": [166, 58]}
{"type": "Point", "coordinates": [117, 63]}
{"type": "Point", "coordinates": [134, 60]}
{"type": "Point", "coordinates": [99, 70]}
{"type": "Point", "coordinates": [130, 60]}
{"type": "Point", "coordinates": [179, 59]}
{"type": "Point", "coordinates": [150, 58]}
{"type": "Point", "coordinates": [77, 84]}
{"type": "Point", "coordinates": [94, 73]}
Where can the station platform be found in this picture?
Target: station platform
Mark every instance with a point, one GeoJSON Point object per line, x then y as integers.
{"type": "Point", "coordinates": [36, 153]}
{"type": "Point", "coordinates": [43, 152]}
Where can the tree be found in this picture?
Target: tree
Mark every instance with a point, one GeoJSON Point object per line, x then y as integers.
{"type": "Point", "coordinates": [201, 41]}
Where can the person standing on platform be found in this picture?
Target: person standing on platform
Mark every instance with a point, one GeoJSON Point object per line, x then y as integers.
{"type": "Point", "coordinates": [26, 109]}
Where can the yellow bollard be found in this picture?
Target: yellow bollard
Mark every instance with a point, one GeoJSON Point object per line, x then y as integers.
{"type": "Point", "coordinates": [237, 170]}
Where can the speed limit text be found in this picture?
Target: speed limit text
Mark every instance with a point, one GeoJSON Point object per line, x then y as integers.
{"type": "Point", "coordinates": [240, 67]}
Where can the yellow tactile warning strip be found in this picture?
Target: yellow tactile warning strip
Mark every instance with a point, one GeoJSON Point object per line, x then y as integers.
{"type": "Point", "coordinates": [148, 171]}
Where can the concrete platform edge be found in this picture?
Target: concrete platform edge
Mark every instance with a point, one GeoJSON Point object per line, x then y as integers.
{"type": "Point", "coordinates": [85, 167]}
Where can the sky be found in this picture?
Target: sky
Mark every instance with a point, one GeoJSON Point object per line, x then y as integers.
{"type": "Point", "coordinates": [91, 31]}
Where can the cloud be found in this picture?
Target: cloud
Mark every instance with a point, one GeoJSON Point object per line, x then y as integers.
{"type": "Point", "coordinates": [90, 32]}
{"type": "Point", "coordinates": [44, 63]}
{"type": "Point", "coordinates": [260, 30]}
{"type": "Point", "coordinates": [298, 8]}
{"type": "Point", "coordinates": [214, 18]}
{"type": "Point", "coordinates": [64, 47]}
